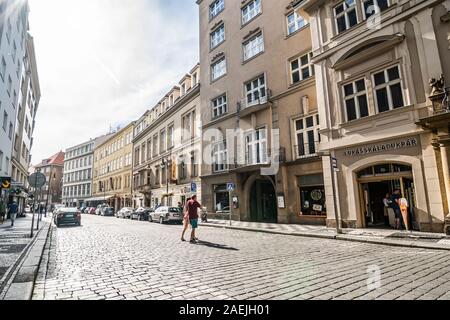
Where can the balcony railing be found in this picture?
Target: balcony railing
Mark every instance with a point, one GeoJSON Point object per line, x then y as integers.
{"type": "Point", "coordinates": [255, 101]}
{"type": "Point", "coordinates": [307, 150]}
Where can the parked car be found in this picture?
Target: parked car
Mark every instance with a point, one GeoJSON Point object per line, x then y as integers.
{"type": "Point", "coordinates": [167, 214]}
{"type": "Point", "coordinates": [91, 210]}
{"type": "Point", "coordinates": [141, 214]}
{"type": "Point", "coordinates": [82, 209]}
{"type": "Point", "coordinates": [107, 212]}
{"type": "Point", "coordinates": [67, 216]}
{"type": "Point", "coordinates": [99, 209]}
{"type": "Point", "coordinates": [125, 213]}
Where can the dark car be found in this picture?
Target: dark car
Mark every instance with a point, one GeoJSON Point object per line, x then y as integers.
{"type": "Point", "coordinates": [107, 212]}
{"type": "Point", "coordinates": [141, 214]}
{"type": "Point", "coordinates": [67, 216]}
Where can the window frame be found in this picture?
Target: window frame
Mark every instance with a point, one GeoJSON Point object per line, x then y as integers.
{"type": "Point", "coordinates": [257, 89]}
{"type": "Point", "coordinates": [213, 45]}
{"type": "Point", "coordinates": [297, 17]}
{"type": "Point", "coordinates": [215, 5]}
{"type": "Point", "coordinates": [315, 128]}
{"type": "Point", "coordinates": [219, 151]}
{"type": "Point", "coordinates": [257, 145]}
{"type": "Point", "coordinates": [224, 68]}
{"type": "Point", "coordinates": [345, 14]}
{"type": "Point", "coordinates": [388, 85]}
{"type": "Point", "coordinates": [300, 68]}
{"type": "Point", "coordinates": [223, 106]}
{"type": "Point", "coordinates": [260, 45]}
{"type": "Point", "coordinates": [355, 95]}
{"type": "Point", "coordinates": [250, 18]}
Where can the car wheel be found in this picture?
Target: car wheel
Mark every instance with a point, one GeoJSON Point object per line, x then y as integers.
{"type": "Point", "coordinates": [150, 219]}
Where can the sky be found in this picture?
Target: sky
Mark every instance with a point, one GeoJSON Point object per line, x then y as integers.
{"type": "Point", "coordinates": [103, 63]}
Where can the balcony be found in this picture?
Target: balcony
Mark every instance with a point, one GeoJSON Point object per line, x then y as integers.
{"type": "Point", "coordinates": [440, 113]}
{"type": "Point", "coordinates": [144, 188]}
{"type": "Point", "coordinates": [249, 105]}
{"type": "Point", "coordinates": [307, 150]}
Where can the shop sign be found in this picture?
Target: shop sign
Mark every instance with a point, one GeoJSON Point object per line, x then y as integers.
{"type": "Point", "coordinates": [281, 202]}
{"type": "Point", "coordinates": [382, 147]}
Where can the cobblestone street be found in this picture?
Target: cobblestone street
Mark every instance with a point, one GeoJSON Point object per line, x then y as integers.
{"type": "Point", "coordinates": [109, 258]}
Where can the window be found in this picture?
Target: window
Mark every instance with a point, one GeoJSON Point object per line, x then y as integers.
{"type": "Point", "coordinates": [187, 123]}
{"type": "Point", "coordinates": [313, 201]}
{"type": "Point", "coordinates": [254, 46]}
{"type": "Point", "coordinates": [345, 15]}
{"type": "Point", "coordinates": [255, 91]}
{"type": "Point", "coordinates": [218, 69]}
{"type": "Point", "coordinates": [194, 165]}
{"type": "Point", "coordinates": [301, 68]}
{"type": "Point", "coordinates": [372, 7]}
{"type": "Point", "coordinates": [3, 69]}
{"type": "Point", "coordinates": [155, 145]}
{"type": "Point", "coordinates": [250, 11]}
{"type": "Point", "coordinates": [143, 152]}
{"type": "Point", "coordinates": [1, 160]}
{"type": "Point", "coordinates": [162, 141]}
{"type": "Point", "coordinates": [218, 36]}
{"type": "Point", "coordinates": [221, 198]}
{"type": "Point", "coordinates": [307, 136]}
{"type": "Point", "coordinates": [256, 147]}
{"type": "Point", "coordinates": [10, 133]}
{"type": "Point", "coordinates": [219, 106]}
{"type": "Point", "coordinates": [170, 137]}
{"type": "Point", "coordinates": [149, 149]}
{"type": "Point", "coordinates": [220, 156]}
{"type": "Point", "coordinates": [388, 89]}
{"type": "Point", "coordinates": [295, 22]}
{"type": "Point", "coordinates": [5, 120]}
{"type": "Point", "coordinates": [182, 170]}
{"type": "Point", "coordinates": [9, 85]}
{"type": "Point", "coordinates": [356, 100]}
{"type": "Point", "coordinates": [216, 8]}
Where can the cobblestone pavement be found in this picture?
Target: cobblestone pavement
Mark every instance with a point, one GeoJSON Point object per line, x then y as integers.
{"type": "Point", "coordinates": [109, 258]}
{"type": "Point", "coordinates": [13, 241]}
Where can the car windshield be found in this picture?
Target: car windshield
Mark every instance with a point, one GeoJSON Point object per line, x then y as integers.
{"type": "Point", "coordinates": [176, 210]}
{"type": "Point", "coordinates": [68, 210]}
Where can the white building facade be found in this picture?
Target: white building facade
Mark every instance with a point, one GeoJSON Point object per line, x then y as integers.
{"type": "Point", "coordinates": [13, 47]}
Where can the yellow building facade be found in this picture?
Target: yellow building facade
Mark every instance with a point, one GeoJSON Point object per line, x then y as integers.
{"type": "Point", "coordinates": [113, 170]}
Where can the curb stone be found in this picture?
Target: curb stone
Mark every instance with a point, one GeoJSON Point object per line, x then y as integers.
{"type": "Point", "coordinates": [362, 239]}
{"type": "Point", "coordinates": [23, 275]}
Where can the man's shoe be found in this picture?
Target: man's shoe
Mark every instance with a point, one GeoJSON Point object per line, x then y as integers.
{"type": "Point", "coordinates": [193, 241]}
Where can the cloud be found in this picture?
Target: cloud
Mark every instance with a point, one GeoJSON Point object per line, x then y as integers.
{"type": "Point", "coordinates": [104, 62]}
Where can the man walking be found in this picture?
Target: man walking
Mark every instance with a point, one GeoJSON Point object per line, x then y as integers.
{"type": "Point", "coordinates": [192, 206]}
{"type": "Point", "coordinates": [13, 212]}
{"type": "Point", "coordinates": [395, 206]}
{"type": "Point", "coordinates": [2, 211]}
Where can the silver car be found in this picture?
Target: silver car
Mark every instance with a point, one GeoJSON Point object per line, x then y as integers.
{"type": "Point", "coordinates": [125, 213]}
{"type": "Point", "coordinates": [167, 214]}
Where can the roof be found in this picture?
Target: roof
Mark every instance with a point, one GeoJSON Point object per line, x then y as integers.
{"type": "Point", "coordinates": [57, 159]}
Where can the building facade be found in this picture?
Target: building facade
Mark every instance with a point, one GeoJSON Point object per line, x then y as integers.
{"type": "Point", "coordinates": [167, 147]}
{"type": "Point", "coordinates": [374, 61]}
{"type": "Point", "coordinates": [53, 169]}
{"type": "Point", "coordinates": [28, 104]}
{"type": "Point", "coordinates": [13, 47]}
{"type": "Point", "coordinates": [259, 113]}
{"type": "Point", "coordinates": [113, 169]}
{"type": "Point", "coordinates": [78, 163]}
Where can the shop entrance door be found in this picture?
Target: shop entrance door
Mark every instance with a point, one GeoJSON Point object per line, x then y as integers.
{"type": "Point", "coordinates": [263, 204]}
{"type": "Point", "coordinates": [375, 182]}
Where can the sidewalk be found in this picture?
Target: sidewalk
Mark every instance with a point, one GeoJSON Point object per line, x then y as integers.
{"type": "Point", "coordinates": [413, 239]}
{"type": "Point", "coordinates": [15, 247]}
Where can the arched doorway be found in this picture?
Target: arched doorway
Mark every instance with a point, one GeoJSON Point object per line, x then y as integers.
{"type": "Point", "coordinates": [375, 182]}
{"type": "Point", "coordinates": [263, 205]}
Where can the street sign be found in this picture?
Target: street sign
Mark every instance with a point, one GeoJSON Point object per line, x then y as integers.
{"type": "Point", "coordinates": [5, 182]}
{"type": "Point", "coordinates": [37, 180]}
{"type": "Point", "coordinates": [230, 186]}
{"type": "Point", "coordinates": [193, 187]}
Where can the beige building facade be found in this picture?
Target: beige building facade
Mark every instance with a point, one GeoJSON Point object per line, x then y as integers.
{"type": "Point", "coordinates": [373, 62]}
{"type": "Point", "coordinates": [167, 147]}
{"type": "Point", "coordinates": [112, 170]}
{"type": "Point", "coordinates": [259, 113]}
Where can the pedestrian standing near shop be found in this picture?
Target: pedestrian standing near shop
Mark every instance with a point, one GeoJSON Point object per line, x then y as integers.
{"type": "Point", "coordinates": [395, 206]}
{"type": "Point", "coordinates": [403, 204]}
{"type": "Point", "coordinates": [387, 205]}
{"type": "Point", "coordinates": [192, 206]}
{"type": "Point", "coordinates": [13, 212]}
{"type": "Point", "coordinates": [2, 211]}
{"type": "Point", "coordinates": [185, 219]}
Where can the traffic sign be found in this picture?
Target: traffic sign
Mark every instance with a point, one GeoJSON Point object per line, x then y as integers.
{"type": "Point", "coordinates": [230, 186]}
{"type": "Point", "coordinates": [193, 187]}
{"type": "Point", "coordinates": [37, 180]}
{"type": "Point", "coordinates": [5, 182]}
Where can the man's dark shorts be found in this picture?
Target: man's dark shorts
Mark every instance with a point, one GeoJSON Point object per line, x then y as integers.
{"type": "Point", "coordinates": [397, 213]}
{"type": "Point", "coordinates": [194, 223]}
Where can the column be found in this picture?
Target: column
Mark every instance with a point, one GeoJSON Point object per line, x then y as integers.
{"type": "Point", "coordinates": [445, 156]}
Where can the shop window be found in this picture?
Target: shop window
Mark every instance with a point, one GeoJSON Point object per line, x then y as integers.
{"type": "Point", "coordinates": [382, 169]}
{"type": "Point", "coordinates": [313, 201]}
{"type": "Point", "coordinates": [221, 198]}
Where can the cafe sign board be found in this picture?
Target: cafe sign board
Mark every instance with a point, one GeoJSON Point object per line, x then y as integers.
{"type": "Point", "coordinates": [382, 147]}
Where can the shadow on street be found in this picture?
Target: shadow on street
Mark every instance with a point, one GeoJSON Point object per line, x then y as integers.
{"type": "Point", "coordinates": [216, 245]}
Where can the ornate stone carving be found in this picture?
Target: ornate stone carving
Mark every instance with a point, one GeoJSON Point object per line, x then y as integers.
{"type": "Point", "coordinates": [437, 86]}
